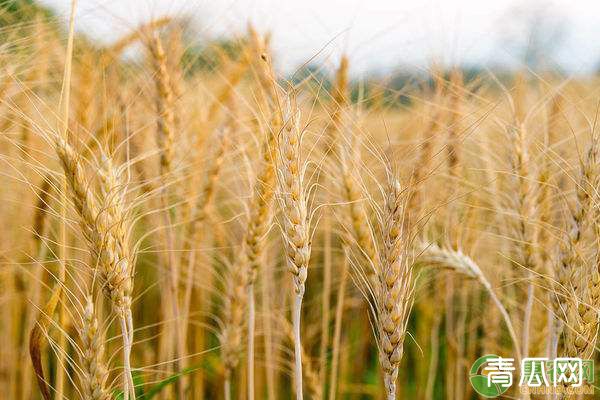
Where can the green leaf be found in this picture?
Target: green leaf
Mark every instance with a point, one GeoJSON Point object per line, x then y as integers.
{"type": "Point", "coordinates": [156, 389]}
{"type": "Point", "coordinates": [138, 382]}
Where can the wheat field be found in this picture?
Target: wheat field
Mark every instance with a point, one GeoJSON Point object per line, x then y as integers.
{"type": "Point", "coordinates": [191, 223]}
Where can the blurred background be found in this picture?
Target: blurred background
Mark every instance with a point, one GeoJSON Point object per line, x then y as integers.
{"type": "Point", "coordinates": [379, 36]}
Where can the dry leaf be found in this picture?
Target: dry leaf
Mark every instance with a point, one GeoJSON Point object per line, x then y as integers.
{"type": "Point", "coordinates": [36, 335]}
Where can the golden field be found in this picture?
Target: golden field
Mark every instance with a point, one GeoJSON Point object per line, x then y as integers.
{"type": "Point", "coordinates": [190, 223]}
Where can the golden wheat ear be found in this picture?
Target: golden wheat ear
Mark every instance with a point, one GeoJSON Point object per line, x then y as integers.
{"type": "Point", "coordinates": [103, 220]}
{"type": "Point", "coordinates": [394, 292]}
{"type": "Point", "coordinates": [581, 302]}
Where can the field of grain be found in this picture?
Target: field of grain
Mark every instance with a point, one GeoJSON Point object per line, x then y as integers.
{"type": "Point", "coordinates": [197, 225]}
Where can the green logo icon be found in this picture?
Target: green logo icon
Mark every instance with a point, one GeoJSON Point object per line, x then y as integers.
{"type": "Point", "coordinates": [480, 380]}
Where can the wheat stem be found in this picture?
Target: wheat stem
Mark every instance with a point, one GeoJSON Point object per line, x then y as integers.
{"type": "Point", "coordinates": [296, 312]}
{"type": "Point", "coordinates": [227, 388]}
{"type": "Point", "coordinates": [250, 340]}
{"type": "Point", "coordinates": [337, 331]}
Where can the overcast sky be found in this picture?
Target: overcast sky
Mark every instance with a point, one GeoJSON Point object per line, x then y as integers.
{"type": "Point", "coordinates": [379, 35]}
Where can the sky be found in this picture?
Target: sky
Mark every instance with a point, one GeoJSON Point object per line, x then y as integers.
{"type": "Point", "coordinates": [379, 36]}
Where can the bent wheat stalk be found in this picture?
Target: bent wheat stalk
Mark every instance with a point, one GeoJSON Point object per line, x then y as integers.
{"type": "Point", "coordinates": [432, 254]}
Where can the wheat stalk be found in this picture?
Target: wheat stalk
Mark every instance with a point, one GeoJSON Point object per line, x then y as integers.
{"type": "Point", "coordinates": [295, 227]}
{"type": "Point", "coordinates": [102, 222]}
{"type": "Point", "coordinates": [65, 103]}
{"type": "Point", "coordinates": [313, 382]}
{"type": "Point", "coordinates": [258, 225]}
{"type": "Point", "coordinates": [234, 309]}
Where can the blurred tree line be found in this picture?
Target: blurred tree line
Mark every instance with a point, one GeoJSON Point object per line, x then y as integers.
{"type": "Point", "coordinates": [395, 90]}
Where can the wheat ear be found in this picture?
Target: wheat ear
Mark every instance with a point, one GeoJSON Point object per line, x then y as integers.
{"type": "Point", "coordinates": [102, 225]}
{"type": "Point", "coordinates": [395, 289]}
{"type": "Point", "coordinates": [353, 195]}
{"type": "Point", "coordinates": [582, 302]}
{"type": "Point", "coordinates": [164, 105]}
